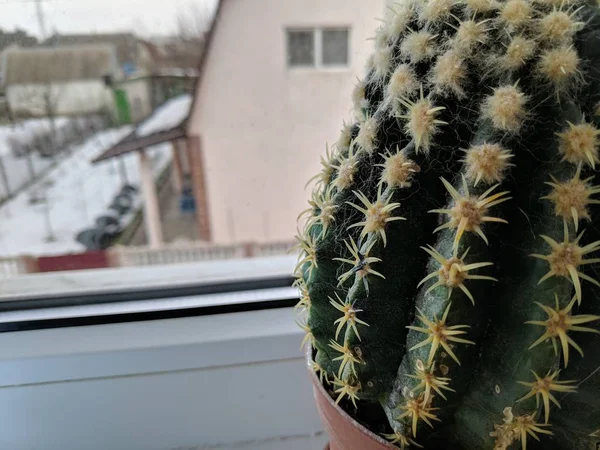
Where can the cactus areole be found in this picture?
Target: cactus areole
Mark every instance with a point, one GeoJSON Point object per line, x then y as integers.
{"type": "Point", "coordinates": [450, 252]}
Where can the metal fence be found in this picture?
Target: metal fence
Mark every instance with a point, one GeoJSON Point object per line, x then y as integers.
{"type": "Point", "coordinates": [30, 148]}
{"type": "Point", "coordinates": [141, 256]}
{"type": "Point", "coordinates": [193, 252]}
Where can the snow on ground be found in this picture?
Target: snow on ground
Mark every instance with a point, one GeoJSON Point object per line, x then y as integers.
{"type": "Point", "coordinates": [25, 129]}
{"type": "Point", "coordinates": [171, 114]}
{"type": "Point", "coordinates": [78, 192]}
{"type": "Point", "coordinates": [20, 170]}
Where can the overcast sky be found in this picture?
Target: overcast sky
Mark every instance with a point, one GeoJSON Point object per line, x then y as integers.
{"type": "Point", "coordinates": [149, 17]}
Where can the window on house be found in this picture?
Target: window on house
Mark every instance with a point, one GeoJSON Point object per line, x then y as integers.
{"type": "Point", "coordinates": [335, 47]}
{"type": "Point", "coordinates": [301, 48]}
{"type": "Point", "coordinates": [318, 47]}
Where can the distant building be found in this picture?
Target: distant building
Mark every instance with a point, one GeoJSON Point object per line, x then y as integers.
{"type": "Point", "coordinates": [68, 80]}
{"type": "Point", "coordinates": [136, 64]}
{"type": "Point", "coordinates": [133, 56]}
{"type": "Point", "coordinates": [143, 75]}
{"type": "Point", "coordinates": [175, 53]}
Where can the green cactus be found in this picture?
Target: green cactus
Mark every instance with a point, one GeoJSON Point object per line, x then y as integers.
{"type": "Point", "coordinates": [450, 291]}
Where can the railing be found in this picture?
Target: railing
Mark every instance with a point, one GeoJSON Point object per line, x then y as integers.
{"type": "Point", "coordinates": [10, 267]}
{"type": "Point", "coordinates": [273, 248]}
{"type": "Point", "coordinates": [141, 256]}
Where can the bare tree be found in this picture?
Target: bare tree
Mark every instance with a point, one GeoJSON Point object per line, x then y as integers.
{"type": "Point", "coordinates": [50, 99]}
{"type": "Point", "coordinates": [193, 21]}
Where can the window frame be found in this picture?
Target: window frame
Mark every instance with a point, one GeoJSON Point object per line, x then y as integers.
{"type": "Point", "coordinates": [175, 366]}
{"type": "Point", "coordinates": [320, 32]}
{"type": "Point", "coordinates": [318, 65]}
{"type": "Point", "coordinates": [287, 43]}
{"type": "Point", "coordinates": [130, 294]}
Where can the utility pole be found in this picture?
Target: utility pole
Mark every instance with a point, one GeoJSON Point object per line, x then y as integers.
{"type": "Point", "coordinates": [41, 18]}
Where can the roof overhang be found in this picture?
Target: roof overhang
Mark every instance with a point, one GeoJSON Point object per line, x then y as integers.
{"type": "Point", "coordinates": [132, 143]}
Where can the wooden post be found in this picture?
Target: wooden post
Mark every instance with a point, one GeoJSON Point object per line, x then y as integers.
{"type": "Point", "coordinates": [183, 156]}
{"type": "Point", "coordinates": [151, 206]}
{"type": "Point", "coordinates": [29, 264]}
{"type": "Point", "coordinates": [177, 170]}
{"type": "Point", "coordinates": [198, 176]}
{"type": "Point", "coordinates": [249, 249]}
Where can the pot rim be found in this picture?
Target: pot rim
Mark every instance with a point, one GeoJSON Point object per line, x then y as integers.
{"type": "Point", "coordinates": [347, 417]}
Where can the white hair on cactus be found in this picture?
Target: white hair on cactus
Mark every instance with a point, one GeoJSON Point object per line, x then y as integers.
{"type": "Point", "coordinates": [573, 197]}
{"type": "Point", "coordinates": [481, 6]}
{"type": "Point", "coordinates": [487, 162]}
{"type": "Point", "coordinates": [398, 17]}
{"type": "Point", "coordinates": [558, 26]}
{"type": "Point", "coordinates": [560, 66]}
{"type": "Point", "coordinates": [516, 13]}
{"type": "Point", "coordinates": [418, 46]}
{"type": "Point", "coordinates": [505, 108]}
{"type": "Point", "coordinates": [422, 121]}
{"type": "Point", "coordinates": [343, 143]}
{"type": "Point", "coordinates": [367, 135]}
{"type": "Point", "coordinates": [554, 3]}
{"type": "Point", "coordinates": [359, 99]}
{"type": "Point", "coordinates": [403, 83]}
{"type": "Point", "coordinates": [450, 73]}
{"type": "Point", "coordinates": [346, 169]}
{"type": "Point", "coordinates": [469, 34]}
{"type": "Point", "coordinates": [519, 50]}
{"type": "Point", "coordinates": [435, 10]}
{"type": "Point", "coordinates": [382, 38]}
{"type": "Point", "coordinates": [579, 143]}
{"type": "Point", "coordinates": [398, 169]}
{"type": "Point", "coordinates": [381, 63]}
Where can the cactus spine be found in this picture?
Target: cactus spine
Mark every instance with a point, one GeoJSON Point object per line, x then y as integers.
{"type": "Point", "coordinates": [449, 257]}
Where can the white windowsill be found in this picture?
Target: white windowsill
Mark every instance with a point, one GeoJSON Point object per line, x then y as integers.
{"type": "Point", "coordinates": [148, 277]}
{"type": "Point", "coordinates": [130, 348]}
{"type": "Point", "coordinates": [230, 381]}
{"type": "Point", "coordinates": [153, 305]}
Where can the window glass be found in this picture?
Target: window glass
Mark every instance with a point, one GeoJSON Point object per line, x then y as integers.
{"type": "Point", "coordinates": [108, 160]}
{"type": "Point", "coordinates": [301, 48]}
{"type": "Point", "coordinates": [335, 47]}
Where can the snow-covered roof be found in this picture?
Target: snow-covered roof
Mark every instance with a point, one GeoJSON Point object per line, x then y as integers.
{"type": "Point", "coordinates": [59, 64]}
{"type": "Point", "coordinates": [155, 129]}
{"type": "Point", "coordinates": [169, 115]}
{"type": "Point", "coordinates": [166, 123]}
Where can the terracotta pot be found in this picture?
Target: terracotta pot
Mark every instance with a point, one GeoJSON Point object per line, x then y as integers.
{"type": "Point", "coordinates": [344, 432]}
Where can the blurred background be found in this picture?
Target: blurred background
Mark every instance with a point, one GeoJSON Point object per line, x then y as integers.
{"type": "Point", "coordinates": [153, 161]}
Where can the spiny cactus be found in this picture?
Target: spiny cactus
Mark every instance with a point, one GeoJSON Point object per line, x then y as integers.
{"type": "Point", "coordinates": [449, 252]}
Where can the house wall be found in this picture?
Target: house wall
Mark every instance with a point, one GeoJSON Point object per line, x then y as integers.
{"type": "Point", "coordinates": [78, 97]}
{"type": "Point", "coordinates": [264, 125]}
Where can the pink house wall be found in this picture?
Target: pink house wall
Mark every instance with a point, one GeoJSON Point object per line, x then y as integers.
{"type": "Point", "coordinates": [264, 125]}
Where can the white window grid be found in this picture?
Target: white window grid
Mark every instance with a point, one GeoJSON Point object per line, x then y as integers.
{"type": "Point", "coordinates": [318, 49]}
